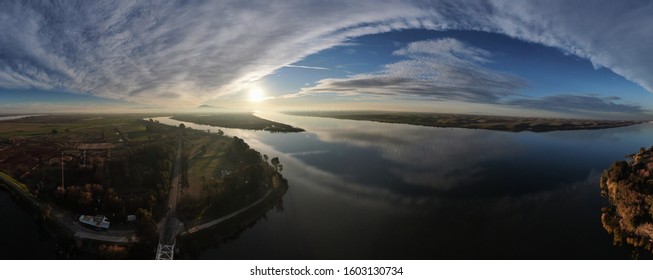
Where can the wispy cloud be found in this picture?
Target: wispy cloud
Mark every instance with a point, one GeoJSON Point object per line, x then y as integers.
{"type": "Point", "coordinates": [448, 69]}
{"type": "Point", "coordinates": [444, 69]}
{"type": "Point", "coordinates": [306, 67]}
{"type": "Point", "coordinates": [173, 51]}
{"type": "Point", "coordinates": [189, 51]}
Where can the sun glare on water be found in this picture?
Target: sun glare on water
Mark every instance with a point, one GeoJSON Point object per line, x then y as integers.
{"type": "Point", "coordinates": [256, 94]}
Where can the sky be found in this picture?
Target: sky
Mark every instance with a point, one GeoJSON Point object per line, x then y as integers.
{"type": "Point", "coordinates": [587, 59]}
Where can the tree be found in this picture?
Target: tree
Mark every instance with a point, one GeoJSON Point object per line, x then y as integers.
{"type": "Point", "coordinates": [54, 131]}
{"type": "Point", "coordinates": [182, 125]}
{"type": "Point", "coordinates": [275, 163]}
{"type": "Point", "coordinates": [145, 226]}
{"type": "Point", "coordinates": [265, 158]}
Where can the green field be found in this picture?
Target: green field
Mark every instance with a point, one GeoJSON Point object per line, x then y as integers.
{"type": "Point", "coordinates": [62, 126]}
{"type": "Point", "coordinates": [502, 123]}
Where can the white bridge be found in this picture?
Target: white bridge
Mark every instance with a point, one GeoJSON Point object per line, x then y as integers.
{"type": "Point", "coordinates": [165, 252]}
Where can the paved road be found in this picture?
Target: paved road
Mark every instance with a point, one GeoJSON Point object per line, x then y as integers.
{"type": "Point", "coordinates": [169, 224]}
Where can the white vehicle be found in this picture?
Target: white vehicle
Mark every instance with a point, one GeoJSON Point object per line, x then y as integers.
{"type": "Point", "coordinates": [95, 222]}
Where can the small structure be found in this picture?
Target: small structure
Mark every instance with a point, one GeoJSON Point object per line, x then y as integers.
{"type": "Point", "coordinates": [95, 222]}
{"type": "Point", "coordinates": [131, 218]}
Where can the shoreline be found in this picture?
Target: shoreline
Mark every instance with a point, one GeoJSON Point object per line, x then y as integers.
{"type": "Point", "coordinates": [496, 123]}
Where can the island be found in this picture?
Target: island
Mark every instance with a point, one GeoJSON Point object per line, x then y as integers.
{"type": "Point", "coordinates": [237, 120]}
{"type": "Point", "coordinates": [119, 186]}
{"type": "Point", "coordinates": [501, 123]}
{"type": "Point", "coordinates": [628, 186]}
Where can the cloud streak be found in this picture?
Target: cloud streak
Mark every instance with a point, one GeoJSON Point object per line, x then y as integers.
{"type": "Point", "coordinates": [306, 67]}
{"type": "Point", "coordinates": [176, 52]}
{"type": "Point", "coordinates": [444, 69]}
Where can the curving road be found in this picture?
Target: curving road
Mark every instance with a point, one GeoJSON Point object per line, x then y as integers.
{"type": "Point", "coordinates": [228, 216]}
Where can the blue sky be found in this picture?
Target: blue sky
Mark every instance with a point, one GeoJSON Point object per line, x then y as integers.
{"type": "Point", "coordinates": [554, 58]}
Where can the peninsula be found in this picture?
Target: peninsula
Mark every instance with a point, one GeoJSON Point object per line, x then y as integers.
{"type": "Point", "coordinates": [237, 120]}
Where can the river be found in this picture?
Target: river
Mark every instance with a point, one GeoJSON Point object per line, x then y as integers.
{"type": "Point", "coordinates": [367, 190]}
{"type": "Point", "coordinates": [21, 236]}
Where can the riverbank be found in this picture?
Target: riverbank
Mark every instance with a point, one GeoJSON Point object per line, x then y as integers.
{"type": "Point", "coordinates": [500, 123]}
{"type": "Point", "coordinates": [228, 227]}
{"type": "Point", "coordinates": [628, 186]}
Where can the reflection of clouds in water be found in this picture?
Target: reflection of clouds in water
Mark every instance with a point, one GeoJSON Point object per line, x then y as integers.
{"type": "Point", "coordinates": [437, 158]}
{"type": "Point", "coordinates": [613, 135]}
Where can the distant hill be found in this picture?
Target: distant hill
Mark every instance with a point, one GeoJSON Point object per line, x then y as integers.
{"type": "Point", "coordinates": [207, 107]}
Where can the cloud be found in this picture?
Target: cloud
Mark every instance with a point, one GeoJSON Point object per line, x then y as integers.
{"type": "Point", "coordinates": [171, 52]}
{"type": "Point", "coordinates": [189, 51]}
{"type": "Point", "coordinates": [306, 67]}
{"type": "Point", "coordinates": [444, 69]}
{"type": "Point", "coordinates": [448, 69]}
{"type": "Point", "coordinates": [610, 35]}
{"type": "Point", "coordinates": [577, 103]}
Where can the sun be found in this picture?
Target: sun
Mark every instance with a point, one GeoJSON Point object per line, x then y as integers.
{"type": "Point", "coordinates": [256, 94]}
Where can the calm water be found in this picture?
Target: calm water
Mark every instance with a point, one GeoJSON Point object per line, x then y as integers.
{"type": "Point", "coordinates": [366, 190]}
{"type": "Point", "coordinates": [21, 236]}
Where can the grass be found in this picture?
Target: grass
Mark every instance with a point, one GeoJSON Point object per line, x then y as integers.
{"type": "Point", "coordinates": [71, 125]}
{"type": "Point", "coordinates": [206, 159]}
